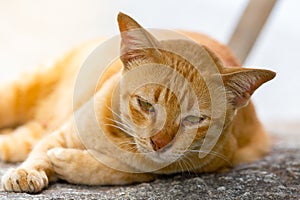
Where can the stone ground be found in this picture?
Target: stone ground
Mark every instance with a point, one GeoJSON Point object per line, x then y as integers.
{"type": "Point", "coordinates": [277, 176]}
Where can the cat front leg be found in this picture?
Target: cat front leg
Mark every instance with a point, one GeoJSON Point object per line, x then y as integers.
{"type": "Point", "coordinates": [80, 167]}
{"type": "Point", "coordinates": [258, 146]}
{"type": "Point", "coordinates": [36, 172]}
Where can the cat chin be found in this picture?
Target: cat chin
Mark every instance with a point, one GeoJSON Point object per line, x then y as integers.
{"type": "Point", "coordinates": [162, 157]}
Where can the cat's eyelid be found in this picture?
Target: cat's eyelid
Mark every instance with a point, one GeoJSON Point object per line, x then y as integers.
{"type": "Point", "coordinates": [194, 117]}
{"type": "Point", "coordinates": [196, 114]}
{"type": "Point", "coordinates": [194, 120]}
{"type": "Point", "coordinates": [144, 104]}
{"type": "Point", "coordinates": [141, 99]}
{"type": "Point", "coordinates": [138, 97]}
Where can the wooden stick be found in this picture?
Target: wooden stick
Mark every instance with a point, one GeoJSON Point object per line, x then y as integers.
{"type": "Point", "coordinates": [249, 27]}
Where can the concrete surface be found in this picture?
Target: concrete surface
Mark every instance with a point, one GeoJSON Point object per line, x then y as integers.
{"type": "Point", "coordinates": [277, 176]}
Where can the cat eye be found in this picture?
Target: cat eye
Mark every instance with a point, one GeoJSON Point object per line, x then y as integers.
{"type": "Point", "coordinates": [193, 120]}
{"type": "Point", "coordinates": [145, 106]}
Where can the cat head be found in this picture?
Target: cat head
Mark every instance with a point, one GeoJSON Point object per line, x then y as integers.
{"type": "Point", "coordinates": [173, 90]}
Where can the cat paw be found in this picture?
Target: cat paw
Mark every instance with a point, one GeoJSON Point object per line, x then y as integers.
{"type": "Point", "coordinates": [64, 163]}
{"type": "Point", "coordinates": [22, 180]}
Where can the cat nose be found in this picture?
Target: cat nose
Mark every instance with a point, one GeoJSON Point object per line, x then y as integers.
{"type": "Point", "coordinates": [159, 141]}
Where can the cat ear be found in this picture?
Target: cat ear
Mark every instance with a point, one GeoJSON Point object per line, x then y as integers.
{"type": "Point", "coordinates": [241, 83]}
{"type": "Point", "coordinates": [135, 40]}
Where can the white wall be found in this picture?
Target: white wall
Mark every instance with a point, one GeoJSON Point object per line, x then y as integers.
{"type": "Point", "coordinates": [33, 32]}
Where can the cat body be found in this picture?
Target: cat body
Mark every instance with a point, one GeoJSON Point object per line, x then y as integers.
{"type": "Point", "coordinates": [37, 112]}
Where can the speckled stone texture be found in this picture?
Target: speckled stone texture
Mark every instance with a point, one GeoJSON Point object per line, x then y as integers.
{"type": "Point", "coordinates": [277, 176]}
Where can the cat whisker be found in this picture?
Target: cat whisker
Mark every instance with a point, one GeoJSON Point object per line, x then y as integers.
{"type": "Point", "coordinates": [120, 128]}
{"type": "Point", "coordinates": [116, 114]}
{"type": "Point", "coordinates": [182, 162]}
{"type": "Point", "coordinates": [120, 123]}
{"type": "Point", "coordinates": [180, 165]}
{"type": "Point", "coordinates": [132, 148]}
{"type": "Point", "coordinates": [126, 143]}
{"type": "Point", "coordinates": [125, 123]}
{"type": "Point", "coordinates": [213, 153]}
{"type": "Point", "coordinates": [189, 163]}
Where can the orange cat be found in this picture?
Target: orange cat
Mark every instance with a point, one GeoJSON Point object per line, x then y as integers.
{"type": "Point", "coordinates": [194, 114]}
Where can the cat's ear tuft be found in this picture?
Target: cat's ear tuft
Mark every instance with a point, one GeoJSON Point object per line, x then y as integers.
{"type": "Point", "coordinates": [135, 40]}
{"type": "Point", "coordinates": [241, 83]}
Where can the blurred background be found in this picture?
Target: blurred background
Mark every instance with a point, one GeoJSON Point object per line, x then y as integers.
{"type": "Point", "coordinates": [36, 32]}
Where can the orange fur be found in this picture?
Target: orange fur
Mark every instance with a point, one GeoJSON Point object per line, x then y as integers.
{"type": "Point", "coordinates": [40, 104]}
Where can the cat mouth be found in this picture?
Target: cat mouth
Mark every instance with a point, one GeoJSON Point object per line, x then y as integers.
{"type": "Point", "coordinates": [164, 154]}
